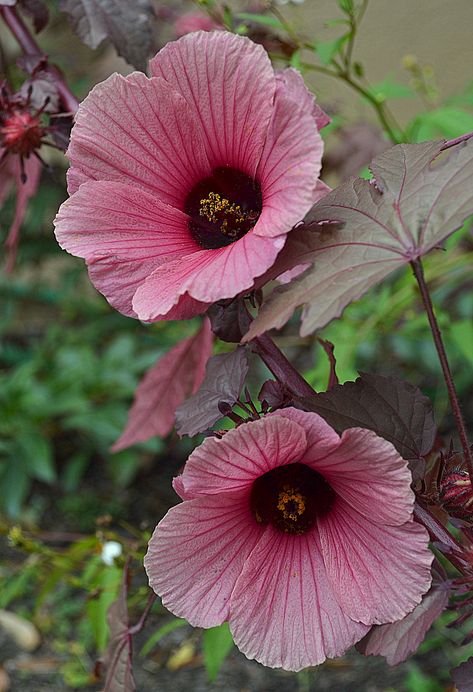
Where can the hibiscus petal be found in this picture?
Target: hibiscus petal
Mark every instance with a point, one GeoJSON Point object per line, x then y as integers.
{"type": "Point", "coordinates": [119, 281]}
{"type": "Point", "coordinates": [296, 90]}
{"type": "Point", "coordinates": [229, 83]}
{"type": "Point", "coordinates": [197, 553]}
{"type": "Point", "coordinates": [242, 455]}
{"type": "Point", "coordinates": [378, 573]}
{"type": "Point", "coordinates": [138, 130]}
{"type": "Point", "coordinates": [289, 166]}
{"type": "Point", "coordinates": [398, 640]}
{"type": "Point", "coordinates": [321, 438]}
{"type": "Point", "coordinates": [371, 476]}
{"type": "Point", "coordinates": [113, 219]}
{"type": "Point", "coordinates": [124, 233]}
{"type": "Point", "coordinates": [283, 611]}
{"type": "Point", "coordinates": [207, 275]}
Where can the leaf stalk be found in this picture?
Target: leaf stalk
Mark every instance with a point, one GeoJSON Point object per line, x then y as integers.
{"type": "Point", "coordinates": [418, 270]}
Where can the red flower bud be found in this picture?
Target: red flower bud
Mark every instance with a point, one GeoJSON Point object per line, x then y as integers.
{"type": "Point", "coordinates": [456, 495]}
{"type": "Point", "coordinates": [21, 132]}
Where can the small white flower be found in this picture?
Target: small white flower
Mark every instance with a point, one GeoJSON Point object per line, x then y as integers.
{"type": "Point", "coordinates": [111, 550]}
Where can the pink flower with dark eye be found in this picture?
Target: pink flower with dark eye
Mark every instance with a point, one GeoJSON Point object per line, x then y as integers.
{"type": "Point", "coordinates": [301, 539]}
{"type": "Point", "coordinates": [184, 185]}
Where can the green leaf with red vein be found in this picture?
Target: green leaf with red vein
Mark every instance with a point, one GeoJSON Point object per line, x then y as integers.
{"type": "Point", "coordinates": [417, 199]}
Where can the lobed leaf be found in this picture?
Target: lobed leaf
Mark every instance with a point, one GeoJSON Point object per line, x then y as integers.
{"type": "Point", "coordinates": [414, 203]}
{"type": "Point", "coordinates": [224, 378]}
{"type": "Point", "coordinates": [392, 408]}
{"type": "Point", "coordinates": [38, 12]}
{"type": "Point", "coordinates": [175, 376]}
{"type": "Point", "coordinates": [127, 24]}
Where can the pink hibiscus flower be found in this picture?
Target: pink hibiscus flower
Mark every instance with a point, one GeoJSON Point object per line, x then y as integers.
{"type": "Point", "coordinates": [184, 185]}
{"type": "Point", "coordinates": [301, 539]}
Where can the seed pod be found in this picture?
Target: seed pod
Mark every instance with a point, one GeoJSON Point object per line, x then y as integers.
{"type": "Point", "coordinates": [456, 495]}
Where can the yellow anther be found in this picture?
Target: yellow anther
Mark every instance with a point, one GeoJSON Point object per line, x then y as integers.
{"type": "Point", "coordinates": [214, 207]}
{"type": "Point", "coordinates": [297, 503]}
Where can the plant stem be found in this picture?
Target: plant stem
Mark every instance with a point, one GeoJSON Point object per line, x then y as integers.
{"type": "Point", "coordinates": [281, 368]}
{"type": "Point", "coordinates": [29, 46]}
{"type": "Point", "coordinates": [457, 140]}
{"type": "Point", "coordinates": [135, 629]}
{"type": "Point", "coordinates": [377, 105]}
{"type": "Point", "coordinates": [437, 336]}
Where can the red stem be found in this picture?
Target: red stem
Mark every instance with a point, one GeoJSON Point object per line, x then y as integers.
{"type": "Point", "coordinates": [135, 629]}
{"type": "Point", "coordinates": [281, 368]}
{"type": "Point", "coordinates": [457, 140]}
{"type": "Point", "coordinates": [452, 392]}
{"type": "Point", "coordinates": [29, 47]}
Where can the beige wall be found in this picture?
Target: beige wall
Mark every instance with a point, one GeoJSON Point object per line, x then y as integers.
{"type": "Point", "coordinates": [439, 32]}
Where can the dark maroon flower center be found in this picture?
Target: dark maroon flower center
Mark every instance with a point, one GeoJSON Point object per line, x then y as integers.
{"type": "Point", "coordinates": [223, 207]}
{"type": "Point", "coordinates": [291, 498]}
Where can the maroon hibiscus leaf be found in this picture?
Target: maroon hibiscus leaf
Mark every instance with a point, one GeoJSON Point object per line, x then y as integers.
{"type": "Point", "coordinates": [174, 377]}
{"type": "Point", "coordinates": [127, 24]}
{"type": "Point", "coordinates": [392, 408]}
{"type": "Point", "coordinates": [117, 659]}
{"type": "Point", "coordinates": [415, 201]}
{"type": "Point", "coordinates": [273, 393]}
{"type": "Point", "coordinates": [398, 640]}
{"type": "Point", "coordinates": [463, 676]}
{"type": "Point", "coordinates": [38, 12]}
{"type": "Point", "coordinates": [224, 378]}
{"type": "Point", "coordinates": [229, 319]}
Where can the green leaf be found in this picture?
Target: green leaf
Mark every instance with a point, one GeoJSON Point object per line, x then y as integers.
{"type": "Point", "coordinates": [417, 681]}
{"type": "Point", "coordinates": [326, 50]}
{"type": "Point", "coordinates": [124, 466]}
{"type": "Point", "coordinates": [16, 485]}
{"type": "Point", "coordinates": [18, 585]}
{"type": "Point", "coordinates": [390, 89]}
{"type": "Point", "coordinates": [260, 19]}
{"type": "Point", "coordinates": [346, 6]}
{"type": "Point", "coordinates": [160, 633]}
{"type": "Point", "coordinates": [217, 644]}
{"type": "Point", "coordinates": [462, 334]}
{"type": "Point", "coordinates": [74, 471]}
{"type": "Point", "coordinates": [108, 585]}
{"type": "Point", "coordinates": [296, 60]}
{"type": "Point", "coordinates": [37, 456]}
{"type": "Point", "coordinates": [444, 122]}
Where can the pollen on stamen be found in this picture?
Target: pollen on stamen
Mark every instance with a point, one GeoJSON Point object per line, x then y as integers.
{"type": "Point", "coordinates": [291, 498]}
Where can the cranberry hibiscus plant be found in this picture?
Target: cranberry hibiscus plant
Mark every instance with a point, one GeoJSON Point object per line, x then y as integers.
{"type": "Point", "coordinates": [306, 526]}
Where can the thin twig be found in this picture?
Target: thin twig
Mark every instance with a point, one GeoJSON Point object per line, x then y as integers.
{"type": "Point", "coordinates": [29, 46]}
{"type": "Point", "coordinates": [437, 336]}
